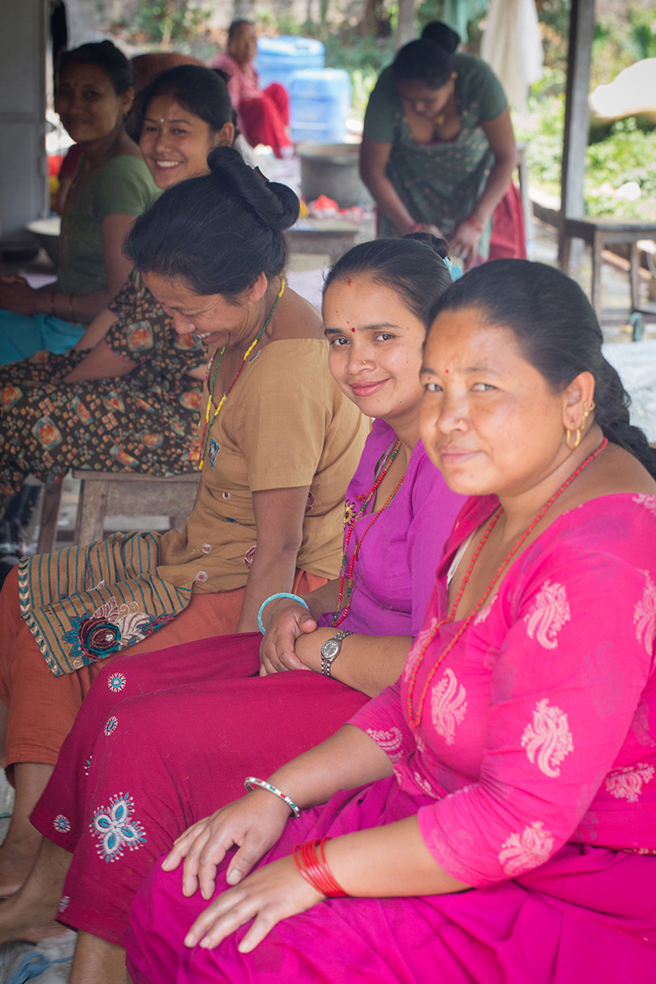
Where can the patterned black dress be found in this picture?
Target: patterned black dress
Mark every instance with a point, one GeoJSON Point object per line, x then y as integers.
{"type": "Point", "coordinates": [145, 421]}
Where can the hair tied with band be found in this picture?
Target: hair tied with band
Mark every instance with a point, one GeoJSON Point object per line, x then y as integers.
{"type": "Point", "coordinates": [455, 271]}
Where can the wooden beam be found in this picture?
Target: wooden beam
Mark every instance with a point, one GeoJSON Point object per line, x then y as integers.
{"type": "Point", "coordinates": [577, 115]}
{"type": "Point", "coordinates": [405, 26]}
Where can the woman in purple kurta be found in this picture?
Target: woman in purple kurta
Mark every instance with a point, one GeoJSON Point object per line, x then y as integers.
{"type": "Point", "coordinates": [507, 833]}
{"type": "Point", "coordinates": [164, 738]}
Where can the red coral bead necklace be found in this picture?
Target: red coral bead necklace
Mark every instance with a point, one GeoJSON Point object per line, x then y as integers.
{"type": "Point", "coordinates": [415, 719]}
{"type": "Point", "coordinates": [346, 570]}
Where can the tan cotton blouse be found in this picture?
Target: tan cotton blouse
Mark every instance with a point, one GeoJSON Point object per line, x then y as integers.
{"type": "Point", "coordinates": [285, 424]}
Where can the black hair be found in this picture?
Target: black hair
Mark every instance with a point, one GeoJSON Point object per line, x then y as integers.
{"type": "Point", "coordinates": [558, 332]}
{"type": "Point", "coordinates": [218, 232]}
{"type": "Point", "coordinates": [104, 54]}
{"type": "Point", "coordinates": [423, 61]}
{"type": "Point", "coordinates": [202, 91]}
{"type": "Point", "coordinates": [236, 24]}
{"type": "Point", "coordinates": [440, 33]}
{"type": "Point", "coordinates": [412, 267]}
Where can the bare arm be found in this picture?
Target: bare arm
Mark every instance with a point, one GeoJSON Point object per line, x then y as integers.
{"type": "Point", "coordinates": [373, 161]}
{"type": "Point", "coordinates": [20, 297]}
{"type": "Point", "coordinates": [501, 138]}
{"type": "Point", "coordinates": [346, 760]}
{"type": "Point", "coordinates": [279, 515]}
{"type": "Point", "coordinates": [391, 860]}
{"type": "Point", "coordinates": [367, 663]}
{"type": "Point", "coordinates": [100, 363]}
{"type": "Point", "coordinates": [96, 330]}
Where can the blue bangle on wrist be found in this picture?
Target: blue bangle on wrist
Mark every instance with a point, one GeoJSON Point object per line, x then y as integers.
{"type": "Point", "coordinates": [281, 594]}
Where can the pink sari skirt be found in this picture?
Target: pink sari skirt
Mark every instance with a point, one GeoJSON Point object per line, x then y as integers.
{"type": "Point", "coordinates": [587, 915]}
{"type": "Point", "coordinates": [150, 755]}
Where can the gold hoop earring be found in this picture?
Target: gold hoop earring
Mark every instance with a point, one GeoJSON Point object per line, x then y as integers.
{"type": "Point", "coordinates": [578, 431]}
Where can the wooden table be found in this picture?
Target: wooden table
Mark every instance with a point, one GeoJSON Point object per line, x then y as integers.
{"type": "Point", "coordinates": [601, 231]}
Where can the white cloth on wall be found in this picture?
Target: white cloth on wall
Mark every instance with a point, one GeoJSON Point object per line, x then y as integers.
{"type": "Point", "coordinates": [512, 47]}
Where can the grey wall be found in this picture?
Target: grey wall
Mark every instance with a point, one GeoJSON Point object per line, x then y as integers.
{"type": "Point", "coordinates": [23, 185]}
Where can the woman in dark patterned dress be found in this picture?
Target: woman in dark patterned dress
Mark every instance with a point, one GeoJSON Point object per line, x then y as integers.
{"type": "Point", "coordinates": [438, 148]}
{"type": "Point", "coordinates": [126, 398]}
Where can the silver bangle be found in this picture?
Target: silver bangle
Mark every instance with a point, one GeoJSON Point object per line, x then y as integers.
{"type": "Point", "coordinates": [252, 781]}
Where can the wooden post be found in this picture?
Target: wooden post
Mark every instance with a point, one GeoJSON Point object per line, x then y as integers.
{"type": "Point", "coordinates": [405, 27]}
{"type": "Point", "coordinates": [577, 115]}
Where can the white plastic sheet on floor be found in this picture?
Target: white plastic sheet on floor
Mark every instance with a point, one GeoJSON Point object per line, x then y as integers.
{"type": "Point", "coordinates": [636, 364]}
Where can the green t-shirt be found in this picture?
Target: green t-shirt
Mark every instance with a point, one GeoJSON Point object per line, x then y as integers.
{"type": "Point", "coordinates": [123, 186]}
{"type": "Point", "coordinates": [476, 86]}
{"type": "Point", "coordinates": [438, 182]}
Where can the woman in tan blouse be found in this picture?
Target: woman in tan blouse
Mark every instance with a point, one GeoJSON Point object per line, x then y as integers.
{"type": "Point", "coordinates": [279, 443]}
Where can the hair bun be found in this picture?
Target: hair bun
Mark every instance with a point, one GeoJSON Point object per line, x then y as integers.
{"type": "Point", "coordinates": [275, 204]}
{"type": "Point", "coordinates": [440, 33]}
{"type": "Point", "coordinates": [439, 246]}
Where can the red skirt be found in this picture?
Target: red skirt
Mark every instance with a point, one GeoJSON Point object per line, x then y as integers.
{"type": "Point", "coordinates": [149, 756]}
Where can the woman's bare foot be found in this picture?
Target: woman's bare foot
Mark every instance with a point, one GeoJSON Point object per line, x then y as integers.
{"type": "Point", "coordinates": [98, 961]}
{"type": "Point", "coordinates": [30, 913]}
{"type": "Point", "coordinates": [16, 923]}
{"type": "Point", "coordinates": [16, 862]}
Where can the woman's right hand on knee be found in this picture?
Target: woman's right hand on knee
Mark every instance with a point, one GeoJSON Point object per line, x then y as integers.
{"type": "Point", "coordinates": [253, 823]}
{"type": "Point", "coordinates": [284, 624]}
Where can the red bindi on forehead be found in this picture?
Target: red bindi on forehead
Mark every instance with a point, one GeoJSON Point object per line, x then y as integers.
{"type": "Point", "coordinates": [446, 371]}
{"type": "Point", "coordinates": [349, 282]}
{"type": "Point", "coordinates": [353, 330]}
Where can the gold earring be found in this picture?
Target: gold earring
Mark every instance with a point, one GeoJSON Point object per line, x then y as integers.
{"type": "Point", "coordinates": [577, 439]}
{"type": "Point", "coordinates": [578, 431]}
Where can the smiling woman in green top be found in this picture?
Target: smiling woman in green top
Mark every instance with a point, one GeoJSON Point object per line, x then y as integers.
{"type": "Point", "coordinates": [438, 148]}
{"type": "Point", "coordinates": [112, 186]}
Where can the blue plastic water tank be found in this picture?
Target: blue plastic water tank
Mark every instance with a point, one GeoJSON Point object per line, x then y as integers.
{"type": "Point", "coordinates": [277, 58]}
{"type": "Point", "coordinates": [320, 100]}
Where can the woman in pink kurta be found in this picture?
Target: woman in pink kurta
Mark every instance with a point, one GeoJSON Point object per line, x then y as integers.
{"type": "Point", "coordinates": [262, 114]}
{"type": "Point", "coordinates": [506, 830]}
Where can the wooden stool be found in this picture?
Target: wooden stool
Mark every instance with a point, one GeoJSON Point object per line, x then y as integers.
{"type": "Point", "coordinates": [117, 493]}
{"type": "Point", "coordinates": [598, 232]}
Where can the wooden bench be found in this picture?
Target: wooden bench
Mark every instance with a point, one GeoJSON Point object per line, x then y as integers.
{"type": "Point", "coordinates": [117, 493]}
{"type": "Point", "coordinates": [598, 232]}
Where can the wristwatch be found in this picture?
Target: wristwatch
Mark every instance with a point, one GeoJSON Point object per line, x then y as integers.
{"type": "Point", "coordinates": [331, 650]}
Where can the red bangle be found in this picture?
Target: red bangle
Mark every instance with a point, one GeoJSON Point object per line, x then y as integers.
{"type": "Point", "coordinates": [416, 227]}
{"type": "Point", "coordinates": [316, 871]}
{"type": "Point", "coordinates": [474, 222]}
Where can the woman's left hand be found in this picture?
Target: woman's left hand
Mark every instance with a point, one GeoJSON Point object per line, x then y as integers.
{"type": "Point", "coordinates": [17, 295]}
{"type": "Point", "coordinates": [464, 242]}
{"type": "Point", "coordinates": [272, 893]}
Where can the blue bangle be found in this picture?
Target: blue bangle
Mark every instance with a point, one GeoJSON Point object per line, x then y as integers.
{"type": "Point", "coordinates": [282, 594]}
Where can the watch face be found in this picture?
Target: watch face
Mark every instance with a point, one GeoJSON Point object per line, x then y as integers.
{"type": "Point", "coordinates": [330, 649]}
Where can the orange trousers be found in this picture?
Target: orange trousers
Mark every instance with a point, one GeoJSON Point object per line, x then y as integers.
{"type": "Point", "coordinates": [43, 707]}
